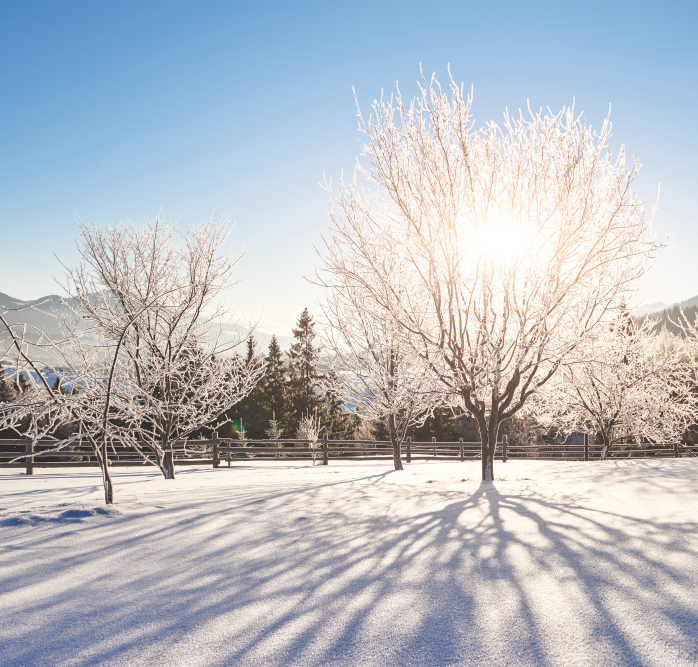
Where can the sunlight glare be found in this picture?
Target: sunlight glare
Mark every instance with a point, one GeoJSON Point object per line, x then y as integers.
{"type": "Point", "coordinates": [501, 240]}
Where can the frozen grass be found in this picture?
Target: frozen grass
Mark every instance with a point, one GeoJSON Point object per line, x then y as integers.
{"type": "Point", "coordinates": [353, 564]}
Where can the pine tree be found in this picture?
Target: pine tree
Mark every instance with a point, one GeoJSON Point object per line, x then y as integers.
{"type": "Point", "coordinates": [304, 378]}
{"type": "Point", "coordinates": [274, 383]}
{"type": "Point", "coordinates": [251, 350]}
{"type": "Point", "coordinates": [23, 384]}
{"type": "Point", "coordinates": [58, 387]}
{"type": "Point", "coordinates": [252, 413]}
{"type": "Point", "coordinates": [337, 422]}
{"type": "Point", "coordinates": [8, 394]}
{"type": "Point", "coordinates": [440, 425]}
{"type": "Point", "coordinates": [7, 391]}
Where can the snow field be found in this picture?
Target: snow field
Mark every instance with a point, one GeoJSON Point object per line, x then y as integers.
{"type": "Point", "coordinates": [569, 563]}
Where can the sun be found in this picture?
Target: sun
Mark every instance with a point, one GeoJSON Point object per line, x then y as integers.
{"type": "Point", "coordinates": [501, 239]}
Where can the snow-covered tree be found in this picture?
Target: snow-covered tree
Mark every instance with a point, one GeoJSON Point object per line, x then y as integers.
{"type": "Point", "coordinates": [41, 411]}
{"type": "Point", "coordinates": [374, 370]}
{"type": "Point", "coordinates": [274, 430]}
{"type": "Point", "coordinates": [309, 429]}
{"type": "Point", "coordinates": [514, 241]}
{"type": "Point", "coordinates": [624, 382]}
{"type": "Point", "coordinates": [149, 296]}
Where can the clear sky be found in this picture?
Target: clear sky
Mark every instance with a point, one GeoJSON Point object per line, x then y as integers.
{"type": "Point", "coordinates": [115, 110]}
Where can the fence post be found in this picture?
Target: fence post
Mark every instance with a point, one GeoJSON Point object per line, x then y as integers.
{"type": "Point", "coordinates": [216, 460]}
{"type": "Point", "coordinates": [30, 459]}
{"type": "Point", "coordinates": [408, 458]}
{"type": "Point", "coordinates": [504, 448]}
{"type": "Point", "coordinates": [325, 455]}
{"type": "Point", "coordinates": [586, 446]}
{"type": "Point", "coordinates": [434, 440]}
{"type": "Point", "coordinates": [676, 450]}
{"type": "Point", "coordinates": [462, 453]}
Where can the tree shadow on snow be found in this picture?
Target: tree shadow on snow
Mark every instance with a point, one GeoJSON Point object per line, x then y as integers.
{"type": "Point", "coordinates": [334, 574]}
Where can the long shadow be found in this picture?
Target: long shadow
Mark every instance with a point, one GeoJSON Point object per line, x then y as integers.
{"type": "Point", "coordinates": [321, 574]}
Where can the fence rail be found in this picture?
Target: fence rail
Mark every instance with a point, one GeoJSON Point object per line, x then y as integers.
{"type": "Point", "coordinates": [26, 454]}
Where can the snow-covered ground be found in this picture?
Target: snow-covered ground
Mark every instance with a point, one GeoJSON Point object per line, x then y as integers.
{"type": "Point", "coordinates": [353, 564]}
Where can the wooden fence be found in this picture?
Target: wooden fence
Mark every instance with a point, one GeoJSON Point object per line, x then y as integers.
{"type": "Point", "coordinates": [24, 454]}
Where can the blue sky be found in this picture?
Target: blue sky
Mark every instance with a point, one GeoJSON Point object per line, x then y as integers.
{"type": "Point", "coordinates": [115, 110]}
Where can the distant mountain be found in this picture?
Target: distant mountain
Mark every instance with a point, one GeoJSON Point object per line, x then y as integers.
{"type": "Point", "coordinates": [655, 310]}
{"type": "Point", "coordinates": [650, 308]}
{"type": "Point", "coordinates": [262, 337]}
{"type": "Point", "coordinates": [40, 313]}
{"type": "Point", "coordinates": [688, 303]}
{"type": "Point", "coordinates": [669, 316]}
{"type": "Point", "coordinates": [44, 314]}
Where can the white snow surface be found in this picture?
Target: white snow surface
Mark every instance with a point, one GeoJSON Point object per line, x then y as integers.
{"type": "Point", "coordinates": [274, 563]}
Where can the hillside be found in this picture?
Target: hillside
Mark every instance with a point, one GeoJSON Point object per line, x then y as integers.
{"type": "Point", "coordinates": [40, 313]}
{"type": "Point", "coordinates": [44, 314]}
{"type": "Point", "coordinates": [670, 315]}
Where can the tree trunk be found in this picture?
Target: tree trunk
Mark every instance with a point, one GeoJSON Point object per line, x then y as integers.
{"type": "Point", "coordinates": [396, 442]}
{"type": "Point", "coordinates": [167, 465]}
{"type": "Point", "coordinates": [108, 486]}
{"type": "Point", "coordinates": [488, 425]}
{"type": "Point", "coordinates": [488, 439]}
{"type": "Point", "coordinates": [100, 451]}
{"type": "Point", "coordinates": [606, 446]}
{"type": "Point", "coordinates": [397, 455]}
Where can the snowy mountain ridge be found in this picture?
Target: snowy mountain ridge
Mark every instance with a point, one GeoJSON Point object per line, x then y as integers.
{"type": "Point", "coordinates": [42, 314]}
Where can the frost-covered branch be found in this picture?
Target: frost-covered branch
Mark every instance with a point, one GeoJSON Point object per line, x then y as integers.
{"type": "Point", "coordinates": [514, 241]}
{"type": "Point", "coordinates": [144, 355]}
{"type": "Point", "coordinates": [624, 382]}
{"type": "Point", "coordinates": [309, 429]}
{"type": "Point", "coordinates": [149, 295]}
{"type": "Point", "coordinates": [374, 370]}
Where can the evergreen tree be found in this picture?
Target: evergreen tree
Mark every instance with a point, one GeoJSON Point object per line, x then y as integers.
{"type": "Point", "coordinates": [7, 391]}
{"type": "Point", "coordinates": [337, 422]}
{"type": "Point", "coordinates": [253, 412]}
{"type": "Point", "coordinates": [58, 387]}
{"type": "Point", "coordinates": [22, 385]}
{"type": "Point", "coordinates": [273, 385]}
{"type": "Point", "coordinates": [11, 390]}
{"type": "Point", "coordinates": [251, 350]}
{"type": "Point", "coordinates": [304, 378]}
{"type": "Point", "coordinates": [440, 425]}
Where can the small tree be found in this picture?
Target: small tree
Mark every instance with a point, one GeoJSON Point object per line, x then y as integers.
{"type": "Point", "coordinates": [514, 241]}
{"type": "Point", "coordinates": [149, 296]}
{"type": "Point", "coordinates": [7, 391]}
{"type": "Point", "coordinates": [374, 371]}
{"type": "Point", "coordinates": [42, 411]}
{"type": "Point", "coordinates": [625, 382]}
{"type": "Point", "coordinates": [309, 429]}
{"type": "Point", "coordinates": [274, 430]}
